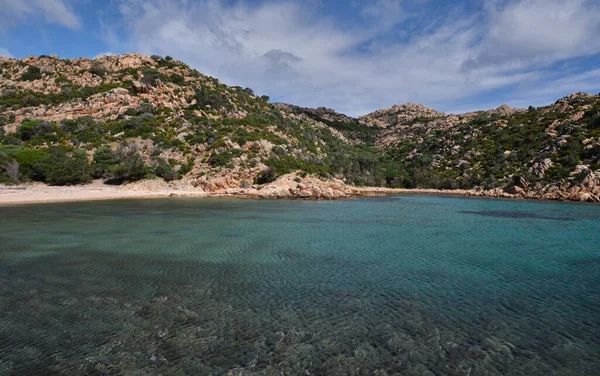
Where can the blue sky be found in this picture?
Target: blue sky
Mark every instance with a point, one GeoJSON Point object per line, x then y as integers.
{"type": "Point", "coordinates": [353, 56]}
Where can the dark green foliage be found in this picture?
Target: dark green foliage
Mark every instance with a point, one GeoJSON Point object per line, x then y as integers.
{"type": "Point", "coordinates": [98, 69]}
{"type": "Point", "coordinates": [61, 168]}
{"type": "Point", "coordinates": [131, 167]}
{"type": "Point", "coordinates": [211, 98]}
{"type": "Point", "coordinates": [32, 74]}
{"type": "Point", "coordinates": [31, 129]}
{"type": "Point", "coordinates": [164, 170]}
{"type": "Point", "coordinates": [354, 130]}
{"type": "Point", "coordinates": [31, 161]}
{"type": "Point", "coordinates": [9, 169]}
{"type": "Point", "coordinates": [105, 161]}
{"type": "Point", "coordinates": [176, 79]}
{"type": "Point", "coordinates": [150, 76]}
{"type": "Point", "coordinates": [18, 99]}
{"type": "Point", "coordinates": [57, 166]}
{"type": "Point", "coordinates": [224, 158]}
{"type": "Point", "coordinates": [185, 168]}
{"type": "Point", "coordinates": [266, 176]}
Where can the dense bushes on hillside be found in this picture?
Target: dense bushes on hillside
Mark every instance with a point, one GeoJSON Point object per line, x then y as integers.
{"type": "Point", "coordinates": [195, 123]}
{"type": "Point", "coordinates": [31, 74]}
{"type": "Point", "coordinates": [56, 166]}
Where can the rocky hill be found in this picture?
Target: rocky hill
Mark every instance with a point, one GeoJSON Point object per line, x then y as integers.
{"type": "Point", "coordinates": [131, 117]}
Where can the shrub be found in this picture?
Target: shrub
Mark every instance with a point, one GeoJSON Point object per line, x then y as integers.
{"type": "Point", "coordinates": [131, 167]}
{"type": "Point", "coordinates": [104, 161]}
{"type": "Point", "coordinates": [98, 69]}
{"type": "Point", "coordinates": [215, 99]}
{"type": "Point", "coordinates": [32, 74]}
{"type": "Point", "coordinates": [150, 76]}
{"type": "Point", "coordinates": [266, 176]}
{"type": "Point", "coordinates": [186, 167]}
{"type": "Point", "coordinates": [11, 171]}
{"type": "Point", "coordinates": [164, 170]}
{"type": "Point", "coordinates": [177, 79]}
{"type": "Point", "coordinates": [62, 169]}
{"type": "Point", "coordinates": [30, 129]}
{"type": "Point", "coordinates": [224, 158]}
{"type": "Point", "coordinates": [31, 161]}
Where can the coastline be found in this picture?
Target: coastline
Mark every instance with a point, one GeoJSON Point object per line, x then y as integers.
{"type": "Point", "coordinates": [37, 193]}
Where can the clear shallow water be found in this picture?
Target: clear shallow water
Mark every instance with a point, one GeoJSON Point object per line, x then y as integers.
{"type": "Point", "coordinates": [417, 285]}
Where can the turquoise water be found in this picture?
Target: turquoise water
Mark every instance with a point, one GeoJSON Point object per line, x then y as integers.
{"type": "Point", "coordinates": [411, 285]}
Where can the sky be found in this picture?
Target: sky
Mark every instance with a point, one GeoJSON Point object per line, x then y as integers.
{"type": "Point", "coordinates": [352, 56]}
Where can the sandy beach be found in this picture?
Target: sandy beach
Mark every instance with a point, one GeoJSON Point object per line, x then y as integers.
{"type": "Point", "coordinates": [284, 188]}
{"type": "Point", "coordinates": [41, 193]}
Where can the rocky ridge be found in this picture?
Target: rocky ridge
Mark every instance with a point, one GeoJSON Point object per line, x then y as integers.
{"type": "Point", "coordinates": [226, 140]}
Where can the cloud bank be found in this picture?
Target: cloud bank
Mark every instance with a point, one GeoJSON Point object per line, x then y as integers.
{"type": "Point", "coordinates": [358, 56]}
{"type": "Point", "coordinates": [53, 11]}
{"type": "Point", "coordinates": [5, 53]}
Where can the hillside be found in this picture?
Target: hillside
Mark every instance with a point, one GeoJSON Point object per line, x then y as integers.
{"type": "Point", "coordinates": [132, 117]}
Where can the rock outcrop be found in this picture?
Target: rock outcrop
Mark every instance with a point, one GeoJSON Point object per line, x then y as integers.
{"type": "Point", "coordinates": [225, 140]}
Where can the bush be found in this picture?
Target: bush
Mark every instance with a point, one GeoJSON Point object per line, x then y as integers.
{"type": "Point", "coordinates": [150, 76]}
{"type": "Point", "coordinates": [31, 161]}
{"type": "Point", "coordinates": [10, 169]}
{"type": "Point", "coordinates": [177, 79]}
{"type": "Point", "coordinates": [164, 170]}
{"type": "Point", "coordinates": [266, 176]}
{"type": "Point", "coordinates": [104, 161]}
{"type": "Point", "coordinates": [62, 169]}
{"type": "Point", "coordinates": [131, 167]}
{"type": "Point", "coordinates": [31, 129]}
{"type": "Point", "coordinates": [98, 69]}
{"type": "Point", "coordinates": [208, 97]}
{"type": "Point", "coordinates": [224, 158]}
{"type": "Point", "coordinates": [32, 74]}
{"type": "Point", "coordinates": [11, 140]}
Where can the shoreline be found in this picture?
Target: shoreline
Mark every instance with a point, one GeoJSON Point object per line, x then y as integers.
{"type": "Point", "coordinates": [37, 193]}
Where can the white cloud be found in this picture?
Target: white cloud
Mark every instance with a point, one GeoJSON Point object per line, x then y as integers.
{"type": "Point", "coordinates": [541, 31]}
{"type": "Point", "coordinates": [386, 12]}
{"type": "Point", "coordinates": [295, 54]}
{"type": "Point", "coordinates": [5, 53]}
{"type": "Point", "coordinates": [53, 11]}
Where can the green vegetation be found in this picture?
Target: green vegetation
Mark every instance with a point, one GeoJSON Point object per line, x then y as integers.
{"type": "Point", "coordinates": [197, 119]}
{"type": "Point", "coordinates": [32, 74]}
{"type": "Point", "coordinates": [56, 165]}
{"type": "Point", "coordinates": [98, 69]}
{"type": "Point", "coordinates": [16, 99]}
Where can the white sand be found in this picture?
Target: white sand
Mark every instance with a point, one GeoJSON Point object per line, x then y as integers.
{"type": "Point", "coordinates": [41, 193]}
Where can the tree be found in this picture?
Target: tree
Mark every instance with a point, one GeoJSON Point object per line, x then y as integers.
{"type": "Point", "coordinates": [266, 176]}
{"type": "Point", "coordinates": [162, 169]}
{"type": "Point", "coordinates": [32, 74]}
{"type": "Point", "coordinates": [63, 169]}
{"type": "Point", "coordinates": [104, 161]}
{"type": "Point", "coordinates": [98, 70]}
{"type": "Point", "coordinates": [130, 168]}
{"type": "Point", "coordinates": [11, 169]}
